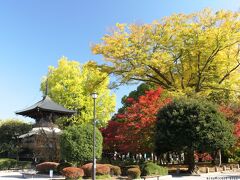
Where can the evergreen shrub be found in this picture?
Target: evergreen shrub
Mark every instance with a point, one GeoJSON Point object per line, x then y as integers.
{"type": "Point", "coordinates": [63, 165]}
{"type": "Point", "coordinates": [101, 169]}
{"type": "Point", "coordinates": [124, 169]}
{"type": "Point", "coordinates": [150, 168]}
{"type": "Point", "coordinates": [73, 173]}
{"type": "Point", "coordinates": [76, 144]}
{"type": "Point", "coordinates": [133, 173]}
{"type": "Point", "coordinates": [7, 163]}
{"type": "Point", "coordinates": [45, 167]}
{"type": "Point", "coordinates": [114, 170]}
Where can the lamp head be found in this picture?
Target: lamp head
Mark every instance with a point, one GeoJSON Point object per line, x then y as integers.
{"type": "Point", "coordinates": [94, 95]}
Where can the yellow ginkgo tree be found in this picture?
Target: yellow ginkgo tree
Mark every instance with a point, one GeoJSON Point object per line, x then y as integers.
{"type": "Point", "coordinates": [188, 54]}
{"type": "Point", "coordinates": [71, 84]}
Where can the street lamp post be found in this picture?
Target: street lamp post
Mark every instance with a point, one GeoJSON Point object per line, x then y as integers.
{"type": "Point", "coordinates": [94, 96]}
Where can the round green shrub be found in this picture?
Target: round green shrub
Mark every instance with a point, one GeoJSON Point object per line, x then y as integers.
{"type": "Point", "coordinates": [133, 173]}
{"type": "Point", "coordinates": [125, 168]}
{"type": "Point", "coordinates": [63, 165]}
{"type": "Point", "coordinates": [151, 168]}
{"type": "Point", "coordinates": [76, 144]}
{"type": "Point", "coordinates": [114, 170]}
{"type": "Point", "coordinates": [73, 173]}
{"type": "Point", "coordinates": [7, 163]}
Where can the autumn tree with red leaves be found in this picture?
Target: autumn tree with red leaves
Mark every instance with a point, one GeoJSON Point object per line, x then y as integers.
{"type": "Point", "coordinates": [232, 114]}
{"type": "Point", "coordinates": [135, 129]}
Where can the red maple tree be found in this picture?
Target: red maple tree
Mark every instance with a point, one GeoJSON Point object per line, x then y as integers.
{"type": "Point", "coordinates": [134, 131]}
{"type": "Point", "coordinates": [232, 114]}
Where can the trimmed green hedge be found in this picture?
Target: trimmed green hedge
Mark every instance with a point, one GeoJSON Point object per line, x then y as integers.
{"type": "Point", "coordinates": [114, 170]}
{"type": "Point", "coordinates": [76, 144]}
{"type": "Point", "coordinates": [124, 169]}
{"type": "Point", "coordinates": [150, 168]}
{"type": "Point", "coordinates": [7, 163]}
{"type": "Point", "coordinates": [133, 173]}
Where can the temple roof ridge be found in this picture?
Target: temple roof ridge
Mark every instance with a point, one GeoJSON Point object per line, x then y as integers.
{"type": "Point", "coordinates": [45, 105]}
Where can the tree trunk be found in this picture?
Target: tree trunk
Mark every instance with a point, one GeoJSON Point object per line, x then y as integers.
{"type": "Point", "coordinates": [217, 157]}
{"type": "Point", "coordinates": [213, 154]}
{"type": "Point", "coordinates": [220, 157]}
{"type": "Point", "coordinates": [17, 156]}
{"type": "Point", "coordinates": [168, 158]}
{"type": "Point", "coordinates": [191, 162]}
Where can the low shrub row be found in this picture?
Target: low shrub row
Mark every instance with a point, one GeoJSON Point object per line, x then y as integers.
{"type": "Point", "coordinates": [145, 169]}
{"type": "Point", "coordinates": [7, 163]}
{"type": "Point", "coordinates": [70, 172]}
{"type": "Point", "coordinates": [132, 171]}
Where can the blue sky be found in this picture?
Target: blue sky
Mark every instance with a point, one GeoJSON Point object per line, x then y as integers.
{"type": "Point", "coordinates": [36, 33]}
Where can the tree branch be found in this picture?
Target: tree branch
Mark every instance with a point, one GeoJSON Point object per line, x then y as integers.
{"type": "Point", "coordinates": [160, 74]}
{"type": "Point", "coordinates": [233, 69]}
{"type": "Point", "coordinates": [228, 73]}
{"type": "Point", "coordinates": [171, 75]}
{"type": "Point", "coordinates": [147, 80]}
{"type": "Point", "coordinates": [160, 82]}
{"type": "Point", "coordinates": [197, 89]}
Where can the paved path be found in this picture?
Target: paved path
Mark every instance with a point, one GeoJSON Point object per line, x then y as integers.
{"type": "Point", "coordinates": [4, 175]}
{"type": "Point", "coordinates": [210, 176]}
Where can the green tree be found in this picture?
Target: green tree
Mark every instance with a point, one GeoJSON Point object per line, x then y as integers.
{"type": "Point", "coordinates": [71, 84]}
{"type": "Point", "coordinates": [189, 54]}
{"type": "Point", "coordinates": [189, 125]}
{"type": "Point", "coordinates": [135, 94]}
{"type": "Point", "coordinates": [10, 130]}
{"type": "Point", "coordinates": [76, 143]}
